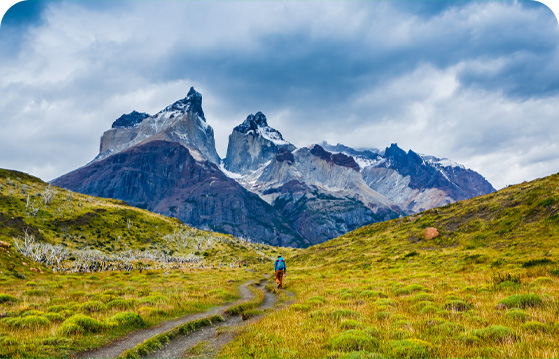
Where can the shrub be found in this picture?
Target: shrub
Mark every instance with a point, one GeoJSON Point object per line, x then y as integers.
{"type": "Point", "coordinates": [56, 308]}
{"type": "Point", "coordinates": [105, 298]}
{"type": "Point", "coordinates": [429, 309]}
{"type": "Point", "coordinates": [247, 314]}
{"type": "Point", "coordinates": [31, 312]}
{"type": "Point", "coordinates": [128, 319]}
{"type": "Point", "coordinates": [344, 313]}
{"type": "Point", "coordinates": [382, 315]}
{"type": "Point", "coordinates": [352, 324]}
{"type": "Point", "coordinates": [457, 306]}
{"type": "Point", "coordinates": [79, 324]}
{"type": "Point", "coordinates": [54, 317]}
{"type": "Point", "coordinates": [409, 348]}
{"type": "Point", "coordinates": [517, 314]}
{"type": "Point", "coordinates": [543, 280]}
{"type": "Point", "coordinates": [522, 301]}
{"type": "Point", "coordinates": [34, 293]}
{"type": "Point", "coordinates": [119, 304]}
{"type": "Point", "coordinates": [422, 297]}
{"type": "Point", "coordinates": [534, 326]}
{"type": "Point", "coordinates": [447, 329]}
{"type": "Point", "coordinates": [318, 299]}
{"type": "Point", "coordinates": [31, 321]}
{"type": "Point", "coordinates": [499, 278]}
{"type": "Point", "coordinates": [370, 294]}
{"type": "Point", "coordinates": [508, 285]}
{"type": "Point", "coordinates": [496, 333]}
{"type": "Point", "coordinates": [6, 298]}
{"type": "Point", "coordinates": [31, 284]}
{"type": "Point", "coordinates": [92, 307]}
{"type": "Point", "coordinates": [354, 340]}
{"type": "Point", "coordinates": [536, 262]}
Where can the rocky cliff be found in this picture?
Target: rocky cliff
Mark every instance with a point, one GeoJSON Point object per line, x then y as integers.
{"type": "Point", "coordinates": [252, 144]}
{"type": "Point", "coordinates": [163, 177]}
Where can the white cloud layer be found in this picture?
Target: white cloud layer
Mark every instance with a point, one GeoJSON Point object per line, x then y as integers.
{"type": "Point", "coordinates": [475, 82]}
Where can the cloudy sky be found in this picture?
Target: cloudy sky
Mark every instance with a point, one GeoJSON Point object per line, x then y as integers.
{"type": "Point", "coordinates": [473, 81]}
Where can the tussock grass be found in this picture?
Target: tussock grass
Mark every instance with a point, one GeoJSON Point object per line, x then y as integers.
{"type": "Point", "coordinates": [441, 302]}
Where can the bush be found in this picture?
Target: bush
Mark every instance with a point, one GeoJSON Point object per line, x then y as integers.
{"type": "Point", "coordinates": [344, 313]}
{"type": "Point", "coordinates": [542, 280]}
{"type": "Point", "coordinates": [31, 321]}
{"type": "Point", "coordinates": [499, 278]}
{"type": "Point", "coordinates": [352, 324]}
{"type": "Point", "coordinates": [534, 326]}
{"type": "Point", "coordinates": [457, 306]}
{"type": "Point", "coordinates": [422, 297]}
{"type": "Point", "coordinates": [222, 294]}
{"type": "Point", "coordinates": [409, 348]}
{"type": "Point", "coordinates": [34, 293]}
{"type": "Point", "coordinates": [54, 317]}
{"type": "Point", "coordinates": [382, 315]}
{"type": "Point", "coordinates": [92, 307]}
{"type": "Point", "coordinates": [128, 319]}
{"type": "Point", "coordinates": [354, 340]}
{"type": "Point", "coordinates": [118, 304]}
{"type": "Point", "coordinates": [447, 329]}
{"type": "Point", "coordinates": [536, 262]}
{"type": "Point", "coordinates": [517, 314]}
{"type": "Point", "coordinates": [317, 299]}
{"type": "Point", "coordinates": [522, 301]}
{"type": "Point", "coordinates": [56, 308]}
{"type": "Point", "coordinates": [6, 298]}
{"type": "Point", "coordinates": [79, 323]}
{"type": "Point", "coordinates": [429, 309]}
{"type": "Point", "coordinates": [496, 333]}
{"type": "Point", "coordinates": [32, 312]}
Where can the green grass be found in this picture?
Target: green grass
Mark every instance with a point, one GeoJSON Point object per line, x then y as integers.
{"type": "Point", "coordinates": [440, 297]}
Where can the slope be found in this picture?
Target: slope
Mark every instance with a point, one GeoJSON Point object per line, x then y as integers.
{"type": "Point", "coordinates": [78, 226]}
{"type": "Point", "coordinates": [486, 286]}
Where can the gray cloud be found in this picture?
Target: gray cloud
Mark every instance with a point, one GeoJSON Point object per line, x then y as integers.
{"type": "Point", "coordinates": [473, 81]}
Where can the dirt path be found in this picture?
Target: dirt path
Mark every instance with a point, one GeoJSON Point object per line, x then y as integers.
{"type": "Point", "coordinates": [115, 348]}
{"type": "Point", "coordinates": [212, 343]}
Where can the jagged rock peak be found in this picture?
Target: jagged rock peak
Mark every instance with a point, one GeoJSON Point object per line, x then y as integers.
{"type": "Point", "coordinates": [257, 124]}
{"type": "Point", "coordinates": [191, 103]}
{"type": "Point", "coordinates": [338, 158]}
{"type": "Point", "coordinates": [131, 119]}
{"type": "Point", "coordinates": [252, 123]}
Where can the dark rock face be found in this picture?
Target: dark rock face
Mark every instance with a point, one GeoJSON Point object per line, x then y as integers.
{"type": "Point", "coordinates": [252, 123]}
{"type": "Point", "coordinates": [163, 177]}
{"type": "Point", "coordinates": [285, 155]}
{"type": "Point", "coordinates": [130, 120]}
{"type": "Point", "coordinates": [339, 158]}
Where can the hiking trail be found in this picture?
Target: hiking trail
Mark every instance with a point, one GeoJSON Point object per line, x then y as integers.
{"type": "Point", "coordinates": [115, 348]}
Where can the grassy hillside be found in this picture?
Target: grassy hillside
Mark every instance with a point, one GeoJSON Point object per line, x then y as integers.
{"type": "Point", "coordinates": [486, 286]}
{"type": "Point", "coordinates": [55, 314]}
{"type": "Point", "coordinates": [89, 227]}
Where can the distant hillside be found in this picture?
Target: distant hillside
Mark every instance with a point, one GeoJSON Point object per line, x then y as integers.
{"type": "Point", "coordinates": [512, 221]}
{"type": "Point", "coordinates": [80, 226]}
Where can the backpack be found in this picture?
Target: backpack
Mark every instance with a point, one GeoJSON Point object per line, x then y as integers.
{"type": "Point", "coordinates": [280, 265]}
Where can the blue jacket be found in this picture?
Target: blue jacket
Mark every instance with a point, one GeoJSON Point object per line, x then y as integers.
{"type": "Point", "coordinates": [280, 264]}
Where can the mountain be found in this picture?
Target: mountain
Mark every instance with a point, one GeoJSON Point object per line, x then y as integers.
{"type": "Point", "coordinates": [163, 177]}
{"type": "Point", "coordinates": [416, 182]}
{"type": "Point", "coordinates": [182, 122]}
{"type": "Point", "coordinates": [265, 189]}
{"type": "Point", "coordinates": [252, 144]}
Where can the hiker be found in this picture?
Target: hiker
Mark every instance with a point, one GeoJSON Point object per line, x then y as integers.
{"type": "Point", "coordinates": [281, 269]}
